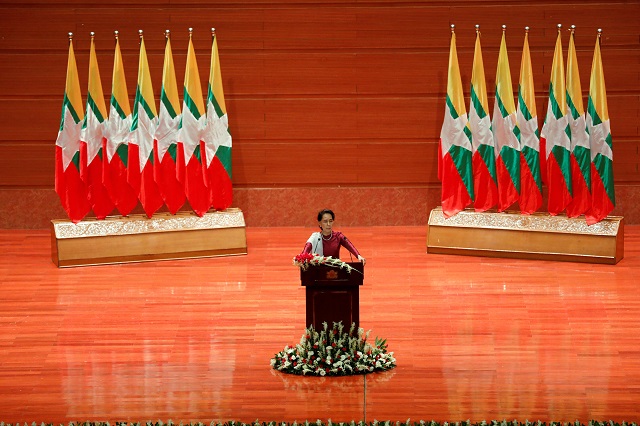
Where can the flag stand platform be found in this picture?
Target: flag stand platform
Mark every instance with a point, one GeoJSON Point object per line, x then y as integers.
{"type": "Point", "coordinates": [537, 236]}
{"type": "Point", "coordinates": [136, 238]}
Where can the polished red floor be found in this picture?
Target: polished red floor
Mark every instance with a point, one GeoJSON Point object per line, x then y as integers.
{"type": "Point", "coordinates": [474, 338]}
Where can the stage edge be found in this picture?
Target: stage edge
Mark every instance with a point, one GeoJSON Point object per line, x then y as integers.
{"type": "Point", "coordinates": [137, 238]}
{"type": "Point", "coordinates": [537, 236]}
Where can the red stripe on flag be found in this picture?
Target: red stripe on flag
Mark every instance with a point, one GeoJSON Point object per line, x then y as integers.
{"type": "Point", "coordinates": [559, 195]}
{"type": "Point", "coordinates": [601, 204]}
{"type": "Point", "coordinates": [165, 175]}
{"type": "Point", "coordinates": [150, 196]}
{"type": "Point", "coordinates": [454, 194]}
{"type": "Point", "coordinates": [530, 195]}
{"type": "Point", "coordinates": [115, 179]}
{"type": "Point", "coordinates": [220, 185]}
{"type": "Point", "coordinates": [581, 202]}
{"type": "Point", "coordinates": [484, 187]}
{"type": "Point", "coordinates": [507, 192]}
{"type": "Point", "coordinates": [71, 190]}
{"type": "Point", "coordinates": [91, 174]}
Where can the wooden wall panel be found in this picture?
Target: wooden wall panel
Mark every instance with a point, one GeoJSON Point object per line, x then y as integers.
{"type": "Point", "coordinates": [360, 82]}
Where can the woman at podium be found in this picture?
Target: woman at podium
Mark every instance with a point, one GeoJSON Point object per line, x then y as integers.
{"type": "Point", "coordinates": [327, 242]}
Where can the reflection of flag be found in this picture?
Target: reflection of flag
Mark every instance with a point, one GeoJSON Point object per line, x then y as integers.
{"type": "Point", "coordinates": [217, 138]}
{"type": "Point", "coordinates": [69, 187]}
{"type": "Point", "coordinates": [506, 134]}
{"type": "Point", "coordinates": [91, 137]}
{"type": "Point", "coordinates": [191, 170]}
{"type": "Point", "coordinates": [556, 138]}
{"type": "Point", "coordinates": [164, 163]}
{"type": "Point", "coordinates": [485, 184]}
{"type": "Point", "coordinates": [454, 159]}
{"type": "Point", "coordinates": [527, 119]}
{"type": "Point", "coordinates": [602, 190]}
{"type": "Point", "coordinates": [118, 130]}
{"type": "Point", "coordinates": [580, 153]}
{"type": "Point", "coordinates": [143, 127]}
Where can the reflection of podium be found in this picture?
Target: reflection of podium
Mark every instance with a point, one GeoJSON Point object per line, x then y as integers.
{"type": "Point", "coordinates": [333, 294]}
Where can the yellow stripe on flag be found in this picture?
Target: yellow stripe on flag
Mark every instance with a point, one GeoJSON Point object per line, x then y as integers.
{"type": "Point", "coordinates": [72, 88]}
{"type": "Point", "coordinates": [573, 78]}
{"type": "Point", "coordinates": [557, 76]}
{"type": "Point", "coordinates": [169, 84]}
{"type": "Point", "coordinates": [95, 84]}
{"type": "Point", "coordinates": [526, 79]}
{"type": "Point", "coordinates": [477, 76]}
{"type": "Point", "coordinates": [503, 79]}
{"type": "Point", "coordinates": [597, 89]}
{"type": "Point", "coordinates": [119, 91]}
{"type": "Point", "coordinates": [192, 80]}
{"type": "Point", "coordinates": [144, 80]}
{"type": "Point", "coordinates": [215, 77]}
{"type": "Point", "coordinates": [454, 81]}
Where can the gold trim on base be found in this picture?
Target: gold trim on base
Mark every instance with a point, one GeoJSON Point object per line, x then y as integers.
{"type": "Point", "coordinates": [536, 236]}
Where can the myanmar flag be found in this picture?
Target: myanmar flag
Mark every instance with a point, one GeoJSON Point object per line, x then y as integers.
{"type": "Point", "coordinates": [217, 138]}
{"type": "Point", "coordinates": [143, 127]}
{"type": "Point", "coordinates": [117, 142]}
{"type": "Point", "coordinates": [191, 166]}
{"type": "Point", "coordinates": [92, 135]}
{"type": "Point", "coordinates": [506, 133]}
{"type": "Point", "coordinates": [527, 119]}
{"type": "Point", "coordinates": [454, 159]}
{"type": "Point", "coordinates": [580, 152]}
{"type": "Point", "coordinates": [69, 186]}
{"type": "Point", "coordinates": [166, 137]}
{"type": "Point", "coordinates": [556, 138]}
{"type": "Point", "coordinates": [602, 190]}
{"type": "Point", "coordinates": [485, 183]}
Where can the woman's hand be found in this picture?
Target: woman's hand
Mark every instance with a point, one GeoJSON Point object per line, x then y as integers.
{"type": "Point", "coordinates": [362, 259]}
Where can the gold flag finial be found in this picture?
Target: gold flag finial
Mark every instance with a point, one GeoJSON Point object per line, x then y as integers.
{"type": "Point", "coordinates": [116, 33]}
{"type": "Point", "coordinates": [504, 28]}
{"type": "Point", "coordinates": [526, 30]}
{"type": "Point", "coordinates": [453, 28]}
{"type": "Point", "coordinates": [599, 32]}
{"type": "Point", "coordinates": [572, 29]}
{"type": "Point", "coordinates": [140, 34]}
{"type": "Point", "coordinates": [167, 33]}
{"type": "Point", "coordinates": [559, 27]}
{"type": "Point", "coordinates": [70, 35]}
{"type": "Point", "coordinates": [92, 34]}
{"type": "Point", "coordinates": [190, 32]}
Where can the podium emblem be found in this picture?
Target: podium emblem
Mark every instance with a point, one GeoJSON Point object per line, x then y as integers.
{"type": "Point", "coordinates": [332, 274]}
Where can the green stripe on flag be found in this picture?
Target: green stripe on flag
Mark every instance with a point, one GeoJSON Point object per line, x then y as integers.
{"type": "Point", "coordinates": [604, 167]}
{"type": "Point", "coordinates": [477, 104]}
{"type": "Point", "coordinates": [196, 153]}
{"type": "Point", "coordinates": [501, 107]}
{"type": "Point", "coordinates": [452, 109]}
{"type": "Point", "coordinates": [167, 103]}
{"type": "Point", "coordinates": [523, 105]}
{"type": "Point", "coordinates": [118, 108]}
{"type": "Point", "coordinates": [214, 102]}
{"type": "Point", "coordinates": [488, 155]}
{"type": "Point", "coordinates": [173, 151]}
{"type": "Point", "coordinates": [191, 105]}
{"type": "Point", "coordinates": [140, 100]}
{"type": "Point", "coordinates": [591, 110]}
{"type": "Point", "coordinates": [123, 152]}
{"type": "Point", "coordinates": [462, 159]}
{"type": "Point", "coordinates": [583, 158]}
{"type": "Point", "coordinates": [66, 103]}
{"type": "Point", "coordinates": [96, 111]}
{"type": "Point", "coordinates": [555, 108]}
{"type": "Point", "coordinates": [532, 158]}
{"type": "Point", "coordinates": [562, 158]}
{"type": "Point", "coordinates": [511, 159]}
{"type": "Point", "coordinates": [574, 112]}
{"type": "Point", "coordinates": [224, 155]}
{"type": "Point", "coordinates": [76, 160]}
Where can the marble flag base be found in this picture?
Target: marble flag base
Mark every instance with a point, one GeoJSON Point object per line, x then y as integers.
{"type": "Point", "coordinates": [137, 238]}
{"type": "Point", "coordinates": [536, 236]}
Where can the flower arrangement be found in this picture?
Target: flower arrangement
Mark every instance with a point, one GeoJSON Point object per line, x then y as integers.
{"type": "Point", "coordinates": [334, 353]}
{"type": "Point", "coordinates": [304, 260]}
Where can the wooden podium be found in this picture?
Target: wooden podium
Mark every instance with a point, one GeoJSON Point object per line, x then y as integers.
{"type": "Point", "coordinates": [333, 294]}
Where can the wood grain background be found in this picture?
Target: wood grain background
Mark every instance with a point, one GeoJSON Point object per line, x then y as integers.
{"type": "Point", "coordinates": [343, 94]}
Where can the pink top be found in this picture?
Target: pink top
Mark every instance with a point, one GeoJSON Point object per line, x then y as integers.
{"type": "Point", "coordinates": [331, 246]}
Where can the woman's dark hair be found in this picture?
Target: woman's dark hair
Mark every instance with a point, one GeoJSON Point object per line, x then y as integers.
{"type": "Point", "coordinates": [326, 211]}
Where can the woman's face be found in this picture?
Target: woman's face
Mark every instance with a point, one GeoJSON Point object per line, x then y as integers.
{"type": "Point", "coordinates": [326, 223]}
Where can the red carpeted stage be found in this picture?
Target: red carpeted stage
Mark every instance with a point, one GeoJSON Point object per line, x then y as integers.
{"type": "Point", "coordinates": [475, 338]}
